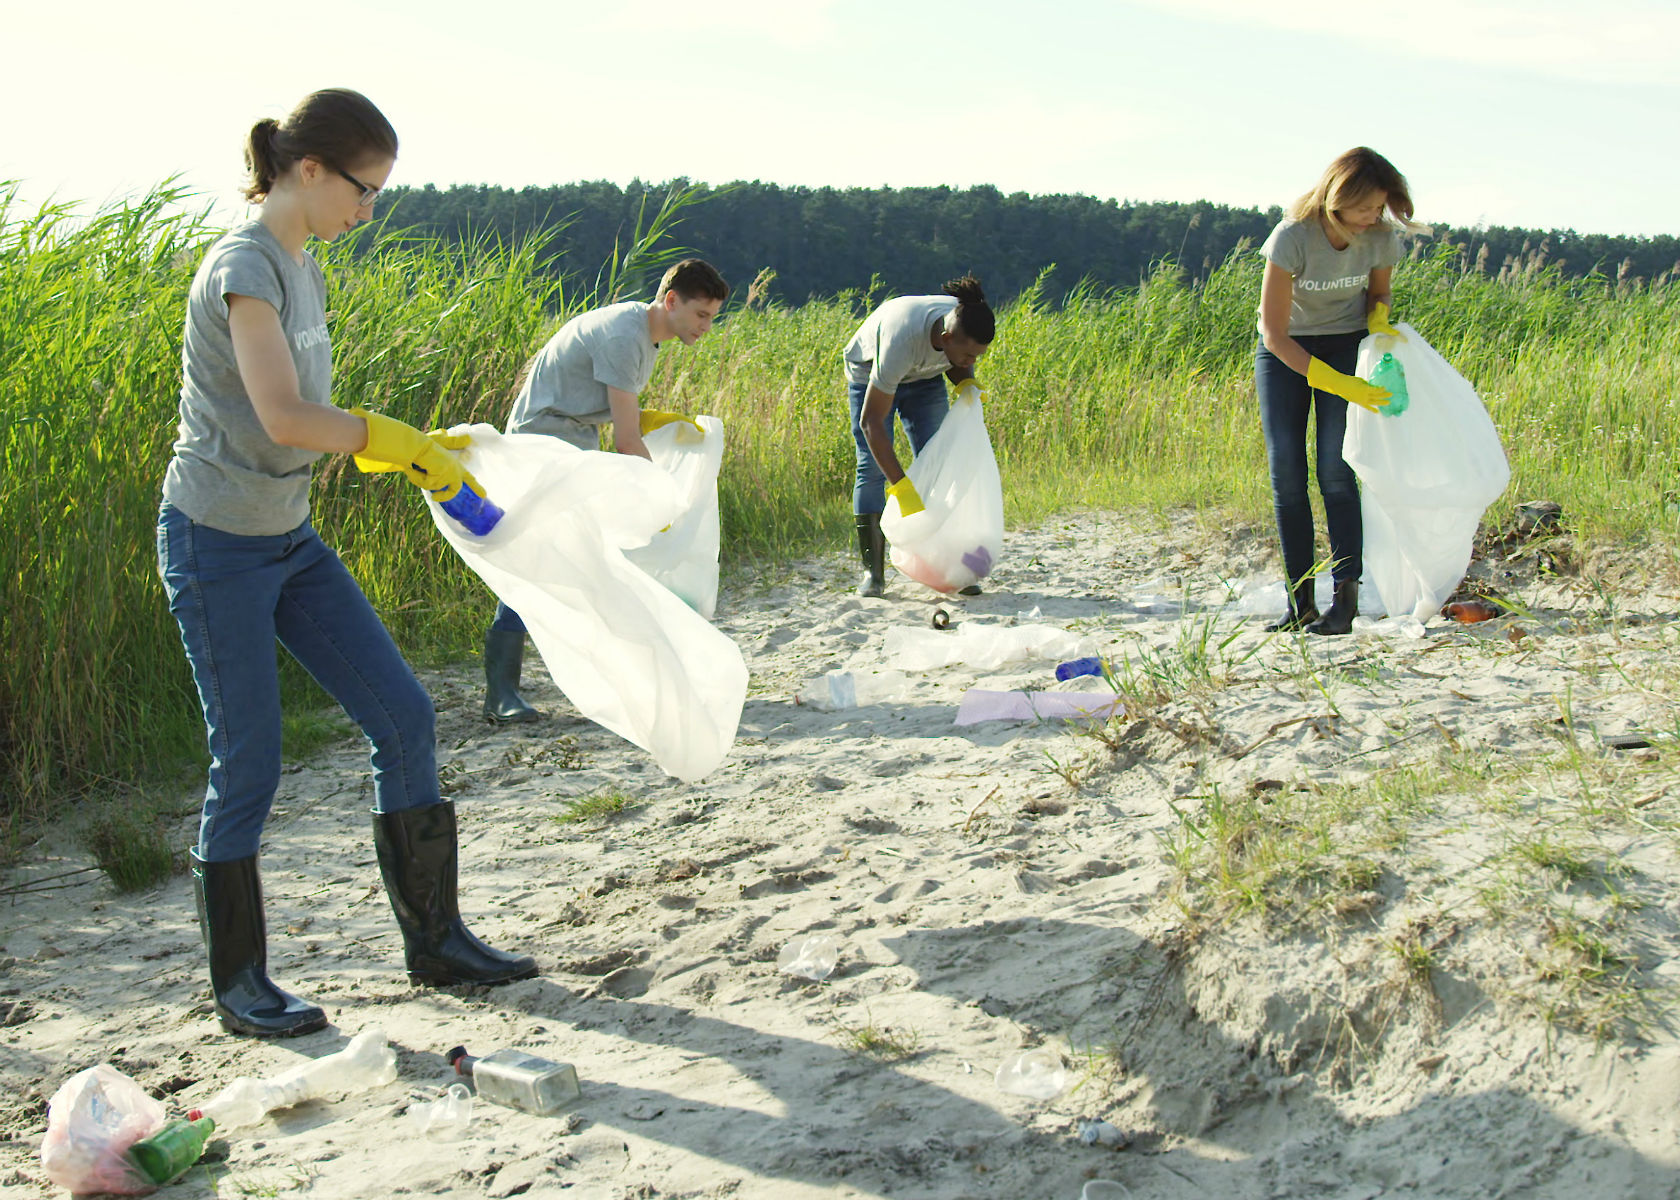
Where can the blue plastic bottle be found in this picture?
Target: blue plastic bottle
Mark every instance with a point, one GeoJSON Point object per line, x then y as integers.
{"type": "Point", "coordinates": [471, 511]}
{"type": "Point", "coordinates": [1074, 668]}
{"type": "Point", "coordinates": [1391, 377]}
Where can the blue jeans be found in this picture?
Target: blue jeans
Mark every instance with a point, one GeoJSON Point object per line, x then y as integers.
{"type": "Point", "coordinates": [233, 595]}
{"type": "Point", "coordinates": [1285, 402]}
{"type": "Point", "coordinates": [921, 406]}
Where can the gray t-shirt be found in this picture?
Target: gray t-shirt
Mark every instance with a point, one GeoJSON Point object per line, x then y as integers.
{"type": "Point", "coordinates": [893, 346]}
{"type": "Point", "coordinates": [227, 472]}
{"type": "Point", "coordinates": [1330, 284]}
{"type": "Point", "coordinates": [565, 393]}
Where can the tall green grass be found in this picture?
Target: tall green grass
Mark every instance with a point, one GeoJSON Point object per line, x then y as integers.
{"type": "Point", "coordinates": [1136, 397]}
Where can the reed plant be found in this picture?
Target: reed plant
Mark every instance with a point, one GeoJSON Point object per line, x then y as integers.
{"type": "Point", "coordinates": [1134, 397]}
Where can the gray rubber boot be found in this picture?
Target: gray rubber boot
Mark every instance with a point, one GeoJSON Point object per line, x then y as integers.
{"type": "Point", "coordinates": [504, 658]}
{"type": "Point", "coordinates": [872, 549]}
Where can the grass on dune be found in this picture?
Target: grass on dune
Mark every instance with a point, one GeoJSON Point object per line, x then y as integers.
{"type": "Point", "coordinates": [1134, 398]}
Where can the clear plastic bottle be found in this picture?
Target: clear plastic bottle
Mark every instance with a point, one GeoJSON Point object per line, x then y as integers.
{"type": "Point", "coordinates": [1391, 376]}
{"type": "Point", "coordinates": [367, 1062]}
{"type": "Point", "coordinates": [518, 1080]}
{"type": "Point", "coordinates": [471, 511]}
{"type": "Point", "coordinates": [172, 1149]}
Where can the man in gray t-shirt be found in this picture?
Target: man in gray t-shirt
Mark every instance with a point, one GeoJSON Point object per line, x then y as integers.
{"type": "Point", "coordinates": [589, 374]}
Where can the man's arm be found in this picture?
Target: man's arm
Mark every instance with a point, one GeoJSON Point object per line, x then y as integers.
{"type": "Point", "coordinates": [626, 422]}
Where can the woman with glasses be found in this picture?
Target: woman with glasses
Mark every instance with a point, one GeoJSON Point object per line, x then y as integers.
{"type": "Point", "coordinates": [243, 567]}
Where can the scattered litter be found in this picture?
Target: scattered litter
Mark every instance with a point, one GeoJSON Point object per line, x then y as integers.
{"type": "Point", "coordinates": [1626, 741]}
{"type": "Point", "coordinates": [982, 646]}
{"type": "Point", "coordinates": [518, 1079]}
{"type": "Point", "coordinates": [1105, 1189]}
{"type": "Point", "coordinates": [367, 1062]}
{"type": "Point", "coordinates": [1035, 1074]}
{"type": "Point", "coordinates": [941, 619]}
{"type": "Point", "coordinates": [1468, 612]}
{"type": "Point", "coordinates": [978, 705]}
{"type": "Point", "coordinates": [1074, 668]}
{"type": "Point", "coordinates": [92, 1120]}
{"type": "Point", "coordinates": [811, 957]}
{"type": "Point", "coordinates": [1101, 1133]}
{"type": "Point", "coordinates": [446, 1118]}
{"type": "Point", "coordinates": [848, 689]}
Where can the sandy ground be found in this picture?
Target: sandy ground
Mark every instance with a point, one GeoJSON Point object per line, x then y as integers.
{"type": "Point", "coordinates": [1455, 980]}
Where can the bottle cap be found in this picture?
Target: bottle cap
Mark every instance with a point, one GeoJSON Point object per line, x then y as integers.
{"type": "Point", "coordinates": [454, 1058]}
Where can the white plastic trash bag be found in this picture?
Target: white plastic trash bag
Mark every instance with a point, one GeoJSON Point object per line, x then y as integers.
{"type": "Point", "coordinates": [685, 557]}
{"type": "Point", "coordinates": [629, 653]}
{"type": "Point", "coordinates": [1425, 477]}
{"type": "Point", "coordinates": [957, 539]}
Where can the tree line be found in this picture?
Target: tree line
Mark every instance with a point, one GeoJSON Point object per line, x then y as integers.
{"type": "Point", "coordinates": [823, 242]}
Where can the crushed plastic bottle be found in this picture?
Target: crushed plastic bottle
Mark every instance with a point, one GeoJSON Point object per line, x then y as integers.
{"type": "Point", "coordinates": [446, 1118]}
{"type": "Point", "coordinates": [1074, 668]}
{"type": "Point", "coordinates": [811, 957]}
{"type": "Point", "coordinates": [1391, 376]}
{"type": "Point", "coordinates": [515, 1079]}
{"type": "Point", "coordinates": [367, 1062]}
{"type": "Point", "coordinates": [471, 511]}
{"type": "Point", "coordinates": [1035, 1074]}
{"type": "Point", "coordinates": [847, 689]}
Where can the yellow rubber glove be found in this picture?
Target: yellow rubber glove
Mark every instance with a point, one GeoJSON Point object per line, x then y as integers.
{"type": "Point", "coordinates": [426, 459]}
{"type": "Point", "coordinates": [969, 390]}
{"type": "Point", "coordinates": [653, 419]}
{"type": "Point", "coordinates": [1376, 322]}
{"type": "Point", "coordinates": [909, 500]}
{"type": "Point", "coordinates": [1351, 388]}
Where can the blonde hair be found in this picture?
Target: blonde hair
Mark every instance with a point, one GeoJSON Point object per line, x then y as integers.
{"type": "Point", "coordinates": [1350, 180]}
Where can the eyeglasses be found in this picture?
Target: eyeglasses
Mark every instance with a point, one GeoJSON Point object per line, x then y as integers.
{"type": "Point", "coordinates": [369, 193]}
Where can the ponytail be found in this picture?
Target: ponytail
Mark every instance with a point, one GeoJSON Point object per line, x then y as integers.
{"type": "Point", "coordinates": [974, 315]}
{"type": "Point", "coordinates": [260, 158]}
{"type": "Point", "coordinates": [340, 127]}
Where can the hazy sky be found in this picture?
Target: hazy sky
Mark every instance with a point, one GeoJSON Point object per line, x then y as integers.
{"type": "Point", "coordinates": [1541, 114]}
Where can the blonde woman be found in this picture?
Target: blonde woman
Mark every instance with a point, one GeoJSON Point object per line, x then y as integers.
{"type": "Point", "coordinates": [1326, 285]}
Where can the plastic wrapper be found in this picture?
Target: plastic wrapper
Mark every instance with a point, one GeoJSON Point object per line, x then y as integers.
{"type": "Point", "coordinates": [685, 557]}
{"type": "Point", "coordinates": [92, 1120]}
{"type": "Point", "coordinates": [1425, 477]}
{"type": "Point", "coordinates": [983, 646]}
{"type": "Point", "coordinates": [958, 537]}
{"type": "Point", "coordinates": [626, 650]}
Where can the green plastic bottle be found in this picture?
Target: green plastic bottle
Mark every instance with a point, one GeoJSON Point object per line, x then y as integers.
{"type": "Point", "coordinates": [1391, 376]}
{"type": "Point", "coordinates": [172, 1149]}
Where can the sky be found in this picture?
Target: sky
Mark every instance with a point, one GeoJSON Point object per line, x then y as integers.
{"type": "Point", "coordinates": [1543, 114]}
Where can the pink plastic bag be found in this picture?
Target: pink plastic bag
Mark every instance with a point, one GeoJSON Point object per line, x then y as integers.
{"type": "Point", "coordinates": [92, 1120]}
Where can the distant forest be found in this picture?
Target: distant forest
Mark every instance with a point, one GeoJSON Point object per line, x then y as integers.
{"type": "Point", "coordinates": [823, 242]}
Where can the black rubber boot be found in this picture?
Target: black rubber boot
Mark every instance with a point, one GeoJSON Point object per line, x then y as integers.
{"type": "Point", "coordinates": [1303, 611]}
{"type": "Point", "coordinates": [504, 658]}
{"type": "Point", "coordinates": [1343, 609]}
{"type": "Point", "coordinates": [872, 549]}
{"type": "Point", "coordinates": [230, 915]}
{"type": "Point", "coordinates": [417, 856]}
